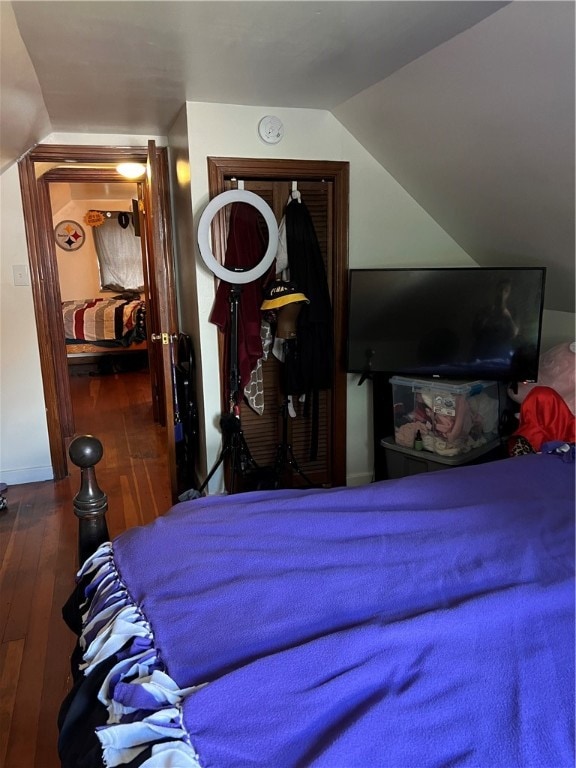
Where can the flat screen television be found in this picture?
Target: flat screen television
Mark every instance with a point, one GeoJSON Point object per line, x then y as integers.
{"type": "Point", "coordinates": [456, 323]}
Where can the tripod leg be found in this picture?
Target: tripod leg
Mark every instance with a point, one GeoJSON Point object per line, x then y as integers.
{"type": "Point", "coordinates": [235, 466]}
{"type": "Point", "coordinates": [291, 461]}
{"type": "Point", "coordinates": [284, 454]}
{"type": "Point", "coordinates": [279, 463]}
{"type": "Point", "coordinates": [242, 461]}
{"type": "Point", "coordinates": [215, 466]}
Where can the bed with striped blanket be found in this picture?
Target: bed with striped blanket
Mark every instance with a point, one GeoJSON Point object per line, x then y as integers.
{"type": "Point", "coordinates": [104, 322]}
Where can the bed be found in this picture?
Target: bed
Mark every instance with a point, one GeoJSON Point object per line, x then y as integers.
{"type": "Point", "coordinates": [99, 326]}
{"type": "Point", "coordinates": [425, 621]}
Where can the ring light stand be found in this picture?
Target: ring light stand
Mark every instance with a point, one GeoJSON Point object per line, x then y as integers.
{"type": "Point", "coordinates": [284, 453]}
{"type": "Point", "coordinates": [204, 226]}
{"type": "Point", "coordinates": [233, 442]}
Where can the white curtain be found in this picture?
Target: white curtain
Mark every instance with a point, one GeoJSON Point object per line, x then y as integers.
{"type": "Point", "coordinates": [119, 254]}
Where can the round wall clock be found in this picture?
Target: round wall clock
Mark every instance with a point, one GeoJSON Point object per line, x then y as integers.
{"type": "Point", "coordinates": [270, 129]}
{"type": "Point", "coordinates": [69, 235]}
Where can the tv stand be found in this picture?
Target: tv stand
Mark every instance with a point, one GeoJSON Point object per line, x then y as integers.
{"type": "Point", "coordinates": [367, 371]}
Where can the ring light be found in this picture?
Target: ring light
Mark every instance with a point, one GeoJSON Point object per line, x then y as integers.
{"type": "Point", "coordinates": [218, 202]}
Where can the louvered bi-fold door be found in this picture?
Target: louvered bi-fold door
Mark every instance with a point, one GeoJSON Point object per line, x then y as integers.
{"type": "Point", "coordinates": [263, 433]}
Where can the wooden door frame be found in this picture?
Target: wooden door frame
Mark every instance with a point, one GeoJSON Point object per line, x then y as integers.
{"type": "Point", "coordinates": [221, 170]}
{"type": "Point", "coordinates": [162, 290]}
{"type": "Point", "coordinates": [34, 181]}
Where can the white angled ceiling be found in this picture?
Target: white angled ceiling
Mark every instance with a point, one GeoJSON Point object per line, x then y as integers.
{"type": "Point", "coordinates": [135, 63]}
{"type": "Point", "coordinates": [470, 105]}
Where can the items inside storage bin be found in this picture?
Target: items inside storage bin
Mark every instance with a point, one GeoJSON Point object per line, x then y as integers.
{"type": "Point", "coordinates": [451, 417]}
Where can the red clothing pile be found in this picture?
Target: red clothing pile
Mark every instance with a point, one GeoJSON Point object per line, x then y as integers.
{"type": "Point", "coordinates": [544, 416]}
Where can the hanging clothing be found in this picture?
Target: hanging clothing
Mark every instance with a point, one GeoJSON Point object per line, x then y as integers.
{"type": "Point", "coordinates": [315, 323]}
{"type": "Point", "coordinates": [312, 368]}
{"type": "Point", "coordinates": [254, 390]}
{"type": "Point", "coordinates": [245, 248]}
{"type": "Point", "coordinates": [282, 252]}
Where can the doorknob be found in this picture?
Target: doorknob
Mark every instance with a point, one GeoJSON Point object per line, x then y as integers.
{"type": "Point", "coordinates": [163, 337]}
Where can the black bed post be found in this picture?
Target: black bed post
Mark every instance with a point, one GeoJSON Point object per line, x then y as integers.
{"type": "Point", "coordinates": [90, 503]}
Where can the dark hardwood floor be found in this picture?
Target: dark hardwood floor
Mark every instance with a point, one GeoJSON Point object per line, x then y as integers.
{"type": "Point", "coordinates": [38, 540]}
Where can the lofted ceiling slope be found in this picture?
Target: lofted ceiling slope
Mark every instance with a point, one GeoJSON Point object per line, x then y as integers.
{"type": "Point", "coordinates": [480, 132]}
{"type": "Point", "coordinates": [470, 105]}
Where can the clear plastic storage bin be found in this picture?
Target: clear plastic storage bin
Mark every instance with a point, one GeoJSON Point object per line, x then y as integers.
{"type": "Point", "coordinates": [448, 418]}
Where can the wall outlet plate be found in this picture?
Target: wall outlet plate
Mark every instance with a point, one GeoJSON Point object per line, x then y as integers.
{"type": "Point", "coordinates": [21, 274]}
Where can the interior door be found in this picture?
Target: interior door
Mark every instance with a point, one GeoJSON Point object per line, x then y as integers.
{"type": "Point", "coordinates": [53, 162]}
{"type": "Point", "coordinates": [264, 431]}
{"type": "Point", "coordinates": [324, 189]}
{"type": "Point", "coordinates": [161, 318]}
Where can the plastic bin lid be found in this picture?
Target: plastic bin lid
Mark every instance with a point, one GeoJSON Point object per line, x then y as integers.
{"type": "Point", "coordinates": [458, 387]}
{"type": "Point", "coordinates": [389, 444]}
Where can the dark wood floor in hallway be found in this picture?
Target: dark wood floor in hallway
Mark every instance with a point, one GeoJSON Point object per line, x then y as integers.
{"type": "Point", "coordinates": [38, 540]}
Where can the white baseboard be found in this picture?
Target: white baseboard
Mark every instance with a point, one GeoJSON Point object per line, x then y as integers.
{"type": "Point", "coordinates": [27, 475]}
{"type": "Point", "coordinates": [361, 478]}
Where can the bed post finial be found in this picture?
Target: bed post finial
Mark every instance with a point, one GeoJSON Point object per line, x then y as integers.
{"type": "Point", "coordinates": [90, 503]}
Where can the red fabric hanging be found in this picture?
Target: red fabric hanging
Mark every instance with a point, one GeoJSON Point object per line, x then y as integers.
{"type": "Point", "coordinates": [544, 416]}
{"type": "Point", "coordinates": [245, 248]}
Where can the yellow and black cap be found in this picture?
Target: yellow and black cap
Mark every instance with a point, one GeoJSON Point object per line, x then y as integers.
{"type": "Point", "coordinates": [279, 293]}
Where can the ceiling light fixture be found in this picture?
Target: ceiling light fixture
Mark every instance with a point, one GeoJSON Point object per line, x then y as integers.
{"type": "Point", "coordinates": [131, 170]}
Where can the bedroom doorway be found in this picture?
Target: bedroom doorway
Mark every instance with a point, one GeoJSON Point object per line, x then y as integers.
{"type": "Point", "coordinates": [110, 383]}
{"type": "Point", "coordinates": [61, 163]}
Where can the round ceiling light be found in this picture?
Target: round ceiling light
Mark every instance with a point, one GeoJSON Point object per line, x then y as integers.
{"type": "Point", "coordinates": [131, 170]}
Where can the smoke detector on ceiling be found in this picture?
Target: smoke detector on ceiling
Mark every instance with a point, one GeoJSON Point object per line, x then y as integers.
{"type": "Point", "coordinates": [271, 129]}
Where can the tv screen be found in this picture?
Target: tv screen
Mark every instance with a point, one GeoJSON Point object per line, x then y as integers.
{"type": "Point", "coordinates": [456, 323]}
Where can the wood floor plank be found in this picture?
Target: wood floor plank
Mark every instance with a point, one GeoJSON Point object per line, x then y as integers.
{"type": "Point", "coordinates": [39, 548]}
{"type": "Point", "coordinates": [12, 653]}
{"type": "Point", "coordinates": [13, 549]}
{"type": "Point", "coordinates": [55, 679]}
{"type": "Point", "coordinates": [57, 674]}
{"type": "Point", "coordinates": [26, 564]}
{"type": "Point", "coordinates": [27, 702]}
{"type": "Point", "coordinates": [7, 520]}
{"type": "Point", "coordinates": [131, 515]}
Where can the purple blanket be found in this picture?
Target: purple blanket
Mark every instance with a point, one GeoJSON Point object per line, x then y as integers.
{"type": "Point", "coordinates": [427, 621]}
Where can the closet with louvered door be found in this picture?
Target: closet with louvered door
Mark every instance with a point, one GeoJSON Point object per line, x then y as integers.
{"type": "Point", "coordinates": [318, 455]}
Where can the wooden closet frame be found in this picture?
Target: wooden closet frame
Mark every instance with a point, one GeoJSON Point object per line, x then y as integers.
{"type": "Point", "coordinates": [223, 169]}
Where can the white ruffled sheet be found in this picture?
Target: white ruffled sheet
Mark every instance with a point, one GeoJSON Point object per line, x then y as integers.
{"type": "Point", "coordinates": [111, 620]}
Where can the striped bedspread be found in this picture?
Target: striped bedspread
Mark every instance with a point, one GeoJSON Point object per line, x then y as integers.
{"type": "Point", "coordinates": [104, 320]}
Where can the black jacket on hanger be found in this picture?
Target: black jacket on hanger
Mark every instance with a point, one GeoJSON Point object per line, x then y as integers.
{"type": "Point", "coordinates": [314, 363]}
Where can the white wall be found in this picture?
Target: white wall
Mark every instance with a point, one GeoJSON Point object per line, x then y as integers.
{"type": "Point", "coordinates": [386, 228]}
{"type": "Point", "coordinates": [78, 272]}
{"type": "Point", "coordinates": [557, 327]}
{"type": "Point", "coordinates": [24, 447]}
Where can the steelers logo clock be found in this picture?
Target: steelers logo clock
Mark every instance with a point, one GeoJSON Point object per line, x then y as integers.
{"type": "Point", "coordinates": [69, 235]}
